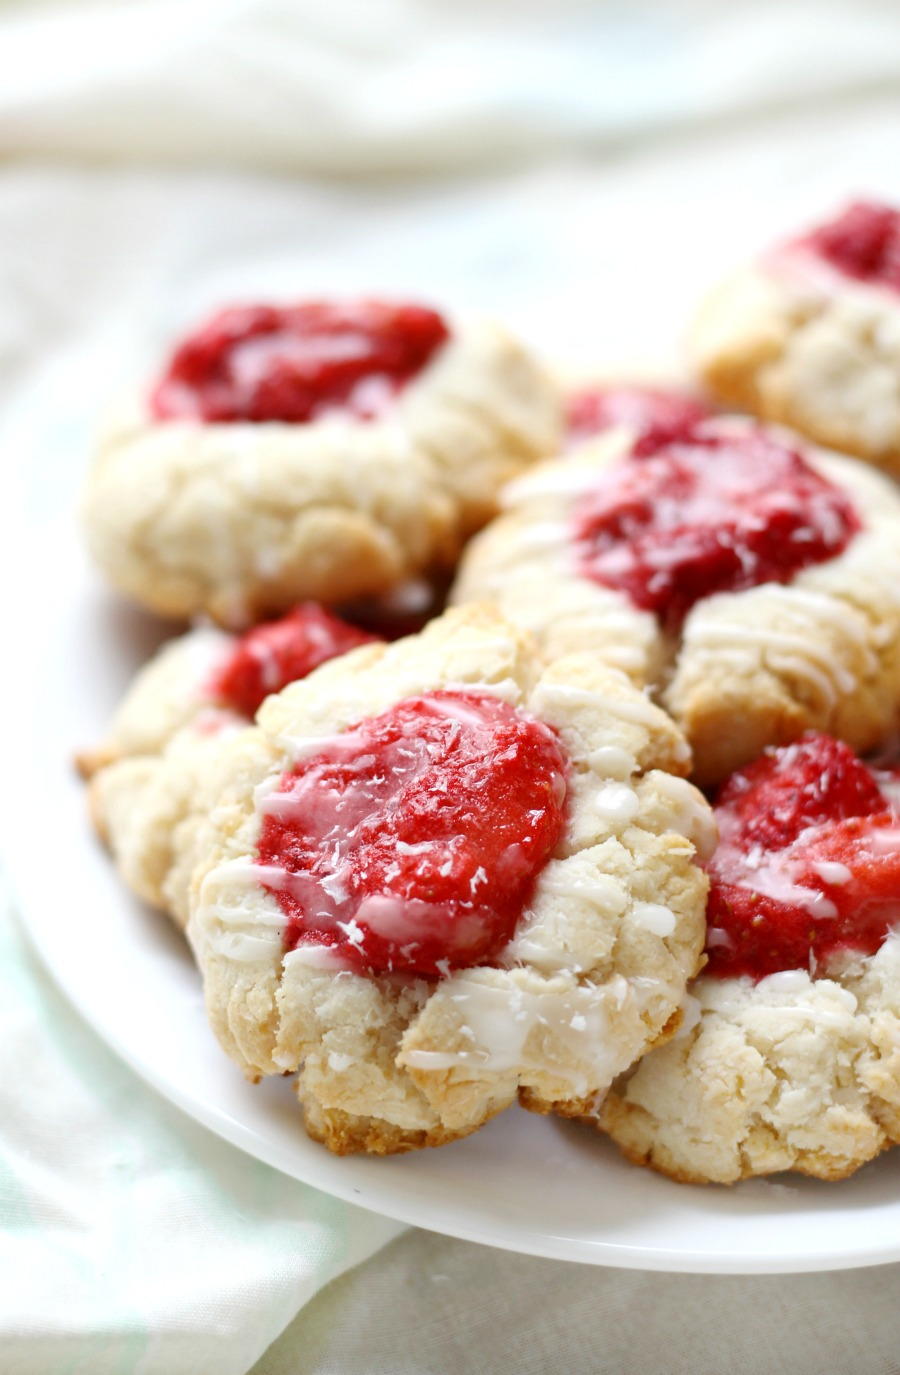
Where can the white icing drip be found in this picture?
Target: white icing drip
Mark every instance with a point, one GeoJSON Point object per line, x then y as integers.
{"type": "Point", "coordinates": [563, 479]}
{"type": "Point", "coordinates": [541, 536]}
{"type": "Point", "coordinates": [206, 648]}
{"type": "Point", "coordinates": [691, 1012]}
{"type": "Point", "coordinates": [548, 958]}
{"type": "Point", "coordinates": [506, 689]}
{"type": "Point", "coordinates": [306, 746]}
{"type": "Point", "coordinates": [800, 1012]}
{"type": "Point", "coordinates": [800, 650]}
{"type": "Point", "coordinates": [832, 872]}
{"type": "Point", "coordinates": [889, 787]}
{"type": "Point", "coordinates": [636, 709]}
{"type": "Point", "coordinates": [616, 803]}
{"type": "Point", "coordinates": [435, 1059]}
{"type": "Point", "coordinates": [612, 761]}
{"type": "Point", "coordinates": [239, 876]}
{"type": "Point", "coordinates": [785, 981]}
{"type": "Point", "coordinates": [244, 947]}
{"type": "Point", "coordinates": [815, 661]}
{"type": "Point", "coordinates": [566, 879]}
{"type": "Point", "coordinates": [884, 839]}
{"type": "Point", "coordinates": [238, 922]}
{"type": "Point", "coordinates": [653, 917]}
{"type": "Point", "coordinates": [323, 957]}
{"type": "Point", "coordinates": [393, 918]}
{"type": "Point", "coordinates": [772, 875]}
{"type": "Point", "coordinates": [845, 617]}
{"type": "Point", "coordinates": [575, 1025]}
{"type": "Point", "coordinates": [691, 815]}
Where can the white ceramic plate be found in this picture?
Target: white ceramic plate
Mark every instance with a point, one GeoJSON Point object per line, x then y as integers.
{"type": "Point", "coordinates": [525, 1183]}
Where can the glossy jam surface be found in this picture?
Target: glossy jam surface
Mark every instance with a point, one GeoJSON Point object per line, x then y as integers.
{"type": "Point", "coordinates": [654, 411]}
{"type": "Point", "coordinates": [411, 842]}
{"type": "Point", "coordinates": [808, 861]}
{"type": "Point", "coordinates": [268, 657]}
{"type": "Point", "coordinates": [862, 242]}
{"type": "Point", "coordinates": [298, 363]}
{"type": "Point", "coordinates": [712, 510]}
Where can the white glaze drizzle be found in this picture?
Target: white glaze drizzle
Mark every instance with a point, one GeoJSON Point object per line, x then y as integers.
{"type": "Point", "coordinates": [615, 803]}
{"type": "Point", "coordinates": [612, 761]}
{"type": "Point", "coordinates": [653, 917]}
{"type": "Point", "coordinates": [576, 1024]}
{"type": "Point", "coordinates": [691, 814]}
{"type": "Point", "coordinates": [637, 709]}
{"type": "Point", "coordinates": [809, 658]}
{"type": "Point", "coordinates": [830, 871]}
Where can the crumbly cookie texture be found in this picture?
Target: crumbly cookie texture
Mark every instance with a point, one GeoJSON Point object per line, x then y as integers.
{"type": "Point", "coordinates": [749, 668]}
{"type": "Point", "coordinates": [598, 963]}
{"type": "Point", "coordinates": [239, 520]}
{"type": "Point", "coordinates": [146, 777]}
{"type": "Point", "coordinates": [522, 562]}
{"type": "Point", "coordinates": [166, 694]}
{"type": "Point", "coordinates": [791, 1073]}
{"type": "Point", "coordinates": [793, 341]}
{"type": "Point", "coordinates": [147, 807]}
{"type": "Point", "coordinates": [822, 652]}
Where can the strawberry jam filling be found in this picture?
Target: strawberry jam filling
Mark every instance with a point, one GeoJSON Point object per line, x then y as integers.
{"type": "Point", "coordinates": [862, 242]}
{"type": "Point", "coordinates": [808, 861]}
{"type": "Point", "coordinates": [411, 842]}
{"type": "Point", "coordinates": [710, 510]}
{"type": "Point", "coordinates": [268, 657]}
{"type": "Point", "coordinates": [298, 363]}
{"type": "Point", "coordinates": [653, 411]}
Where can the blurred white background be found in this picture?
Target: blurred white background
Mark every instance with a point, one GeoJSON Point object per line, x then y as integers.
{"type": "Point", "coordinates": [581, 169]}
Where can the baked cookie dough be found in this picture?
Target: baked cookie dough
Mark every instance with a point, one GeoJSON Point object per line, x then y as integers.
{"type": "Point", "coordinates": [445, 871]}
{"type": "Point", "coordinates": [752, 581]}
{"type": "Point", "coordinates": [790, 1057]}
{"type": "Point", "coordinates": [149, 775]}
{"type": "Point", "coordinates": [315, 451]}
{"type": "Point", "coordinates": [810, 335]}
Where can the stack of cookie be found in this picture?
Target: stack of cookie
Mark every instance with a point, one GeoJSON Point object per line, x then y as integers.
{"type": "Point", "coordinates": [597, 837]}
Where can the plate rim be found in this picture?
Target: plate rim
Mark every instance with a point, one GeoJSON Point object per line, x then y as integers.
{"type": "Point", "coordinates": [610, 1255]}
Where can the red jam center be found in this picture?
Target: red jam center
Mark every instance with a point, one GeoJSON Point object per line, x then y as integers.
{"type": "Point", "coordinates": [411, 842]}
{"type": "Point", "coordinates": [863, 242]}
{"type": "Point", "coordinates": [710, 510]}
{"type": "Point", "coordinates": [651, 411]}
{"type": "Point", "coordinates": [276, 653]}
{"type": "Point", "coordinates": [808, 861]}
{"type": "Point", "coordinates": [298, 363]}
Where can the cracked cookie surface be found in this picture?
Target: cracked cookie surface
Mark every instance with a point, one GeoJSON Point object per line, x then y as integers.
{"type": "Point", "coordinates": [240, 517]}
{"type": "Point", "coordinates": [738, 669]}
{"type": "Point", "coordinates": [147, 777]}
{"type": "Point", "coordinates": [809, 335]}
{"type": "Point", "coordinates": [790, 1057]}
{"type": "Point", "coordinates": [390, 1057]}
